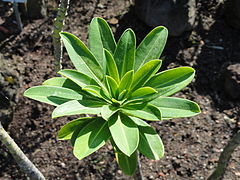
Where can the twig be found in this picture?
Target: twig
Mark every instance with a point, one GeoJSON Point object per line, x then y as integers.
{"type": "Point", "coordinates": [58, 26]}
{"type": "Point", "coordinates": [24, 163]}
{"type": "Point", "coordinates": [215, 47]}
{"type": "Point", "coordinates": [225, 157]}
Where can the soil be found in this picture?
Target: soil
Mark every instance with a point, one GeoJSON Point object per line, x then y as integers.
{"type": "Point", "coordinates": [192, 145]}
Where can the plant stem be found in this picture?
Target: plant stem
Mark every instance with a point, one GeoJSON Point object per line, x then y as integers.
{"type": "Point", "coordinates": [138, 174]}
{"type": "Point", "coordinates": [225, 157]}
{"type": "Point", "coordinates": [24, 163]}
{"type": "Point", "coordinates": [58, 26]}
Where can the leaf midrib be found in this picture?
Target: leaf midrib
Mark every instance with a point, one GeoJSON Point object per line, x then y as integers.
{"type": "Point", "coordinates": [173, 80]}
{"type": "Point", "coordinates": [124, 57]}
{"type": "Point", "coordinates": [128, 164]}
{"type": "Point", "coordinates": [91, 142]}
{"type": "Point", "coordinates": [145, 139]}
{"type": "Point", "coordinates": [136, 84]}
{"type": "Point", "coordinates": [103, 40]}
{"type": "Point", "coordinates": [122, 129]}
{"type": "Point", "coordinates": [150, 51]}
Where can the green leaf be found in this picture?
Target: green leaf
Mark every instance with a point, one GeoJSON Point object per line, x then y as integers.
{"type": "Point", "coordinates": [124, 133]}
{"type": "Point", "coordinates": [122, 95]}
{"type": "Point", "coordinates": [172, 107]}
{"type": "Point", "coordinates": [82, 58]}
{"type": "Point", "coordinates": [101, 37]}
{"type": "Point", "coordinates": [97, 92]}
{"type": "Point", "coordinates": [151, 47]}
{"type": "Point", "coordinates": [143, 92]}
{"type": "Point", "coordinates": [66, 83]}
{"type": "Point", "coordinates": [62, 82]}
{"type": "Point", "coordinates": [111, 66]}
{"type": "Point", "coordinates": [79, 78]}
{"type": "Point", "coordinates": [90, 138]}
{"type": "Point", "coordinates": [147, 112]}
{"type": "Point", "coordinates": [171, 81]}
{"type": "Point", "coordinates": [126, 81]}
{"type": "Point", "coordinates": [124, 54]}
{"type": "Point", "coordinates": [145, 73]}
{"type": "Point", "coordinates": [92, 102]}
{"type": "Point", "coordinates": [52, 94]}
{"type": "Point", "coordinates": [75, 107]}
{"type": "Point", "coordinates": [127, 164]}
{"type": "Point", "coordinates": [68, 129]}
{"type": "Point", "coordinates": [112, 86]}
{"type": "Point", "coordinates": [76, 132]}
{"type": "Point", "coordinates": [107, 111]}
{"type": "Point", "coordinates": [93, 90]}
{"type": "Point", "coordinates": [150, 143]}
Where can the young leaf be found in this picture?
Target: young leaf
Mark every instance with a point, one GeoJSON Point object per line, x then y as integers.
{"type": "Point", "coordinates": [150, 143]}
{"type": "Point", "coordinates": [81, 56]}
{"type": "Point", "coordinates": [145, 73]}
{"type": "Point", "coordinates": [90, 138]}
{"type": "Point", "coordinates": [151, 47]}
{"type": "Point", "coordinates": [52, 94]}
{"type": "Point", "coordinates": [96, 91]}
{"type": "Point", "coordinates": [126, 81]}
{"type": "Point", "coordinates": [75, 107]}
{"type": "Point", "coordinates": [124, 54]}
{"type": "Point", "coordinates": [171, 81]}
{"type": "Point", "coordinates": [100, 37]}
{"type": "Point", "coordinates": [127, 164]}
{"type": "Point", "coordinates": [112, 86]}
{"type": "Point", "coordinates": [148, 112]}
{"type": "Point", "coordinates": [172, 107]}
{"type": "Point", "coordinates": [68, 129]}
{"type": "Point", "coordinates": [79, 78]}
{"type": "Point", "coordinates": [124, 133]}
{"type": "Point", "coordinates": [111, 66]}
{"type": "Point", "coordinates": [122, 95]}
{"type": "Point", "coordinates": [62, 82]}
{"type": "Point", "coordinates": [143, 92]}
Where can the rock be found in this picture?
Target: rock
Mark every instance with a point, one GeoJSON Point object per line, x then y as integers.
{"type": "Point", "coordinates": [100, 6]}
{"type": "Point", "coordinates": [113, 21]}
{"type": "Point", "coordinates": [36, 9]}
{"type": "Point", "coordinates": [233, 13]}
{"type": "Point", "coordinates": [177, 15]}
{"type": "Point", "coordinates": [232, 80]}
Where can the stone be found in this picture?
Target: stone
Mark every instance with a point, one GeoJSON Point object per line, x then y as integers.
{"type": "Point", "coordinates": [177, 15]}
{"type": "Point", "coordinates": [233, 13]}
{"type": "Point", "coordinates": [232, 80]}
{"type": "Point", "coordinates": [36, 9]}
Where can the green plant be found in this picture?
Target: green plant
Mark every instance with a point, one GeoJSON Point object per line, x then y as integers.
{"type": "Point", "coordinates": [118, 84]}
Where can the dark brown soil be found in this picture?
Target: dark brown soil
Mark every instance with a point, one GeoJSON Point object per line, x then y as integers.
{"type": "Point", "coordinates": [192, 145]}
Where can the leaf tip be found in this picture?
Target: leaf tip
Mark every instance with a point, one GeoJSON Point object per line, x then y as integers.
{"type": "Point", "coordinates": [26, 93]}
{"type": "Point", "coordinates": [197, 108]}
{"type": "Point", "coordinates": [62, 33]}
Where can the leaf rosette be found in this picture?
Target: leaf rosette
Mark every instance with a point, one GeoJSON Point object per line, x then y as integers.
{"type": "Point", "coordinates": [120, 85]}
